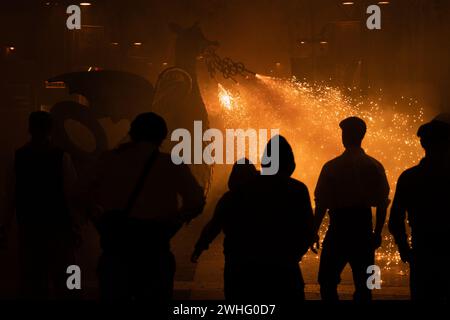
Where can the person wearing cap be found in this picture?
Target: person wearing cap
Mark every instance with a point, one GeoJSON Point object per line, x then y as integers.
{"type": "Point", "coordinates": [348, 187]}
{"type": "Point", "coordinates": [422, 198]}
{"type": "Point", "coordinates": [169, 197]}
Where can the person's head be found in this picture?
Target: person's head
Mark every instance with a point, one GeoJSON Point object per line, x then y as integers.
{"type": "Point", "coordinates": [148, 127]}
{"type": "Point", "coordinates": [278, 157]}
{"type": "Point", "coordinates": [434, 137]}
{"type": "Point", "coordinates": [243, 171]}
{"type": "Point", "coordinates": [353, 132]}
{"type": "Point", "coordinates": [40, 125]}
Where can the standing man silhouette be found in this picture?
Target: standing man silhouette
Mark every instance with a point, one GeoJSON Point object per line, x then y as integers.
{"type": "Point", "coordinates": [348, 187]}
{"type": "Point", "coordinates": [39, 191]}
{"type": "Point", "coordinates": [422, 196]}
{"type": "Point", "coordinates": [137, 263]}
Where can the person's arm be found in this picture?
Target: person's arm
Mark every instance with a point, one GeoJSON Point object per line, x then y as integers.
{"type": "Point", "coordinates": [321, 195]}
{"type": "Point", "coordinates": [381, 212]}
{"type": "Point", "coordinates": [397, 221]}
{"type": "Point", "coordinates": [381, 209]}
{"type": "Point", "coordinates": [319, 214]}
{"type": "Point", "coordinates": [307, 224]}
{"type": "Point", "coordinates": [211, 229]}
{"type": "Point", "coordinates": [192, 195]}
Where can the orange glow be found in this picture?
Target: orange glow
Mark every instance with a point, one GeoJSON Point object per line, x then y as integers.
{"type": "Point", "coordinates": [308, 115]}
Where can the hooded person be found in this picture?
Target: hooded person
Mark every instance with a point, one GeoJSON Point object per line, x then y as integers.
{"type": "Point", "coordinates": [226, 216]}
{"type": "Point", "coordinates": [268, 230]}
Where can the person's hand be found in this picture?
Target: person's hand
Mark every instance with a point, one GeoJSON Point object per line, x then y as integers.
{"type": "Point", "coordinates": [376, 240]}
{"type": "Point", "coordinates": [405, 253]}
{"type": "Point", "coordinates": [195, 255]}
{"type": "Point", "coordinates": [315, 246]}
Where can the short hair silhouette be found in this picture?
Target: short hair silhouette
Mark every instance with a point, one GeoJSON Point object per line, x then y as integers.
{"type": "Point", "coordinates": [353, 131]}
{"type": "Point", "coordinates": [148, 127]}
{"type": "Point", "coordinates": [285, 154]}
{"type": "Point", "coordinates": [434, 134]}
{"type": "Point", "coordinates": [40, 124]}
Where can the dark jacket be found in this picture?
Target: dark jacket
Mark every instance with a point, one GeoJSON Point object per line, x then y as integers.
{"type": "Point", "coordinates": [39, 186]}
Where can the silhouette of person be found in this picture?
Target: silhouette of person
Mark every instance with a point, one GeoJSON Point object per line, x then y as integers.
{"type": "Point", "coordinates": [268, 230]}
{"type": "Point", "coordinates": [422, 197]}
{"type": "Point", "coordinates": [223, 218]}
{"type": "Point", "coordinates": [348, 187]}
{"type": "Point", "coordinates": [144, 270]}
{"type": "Point", "coordinates": [39, 193]}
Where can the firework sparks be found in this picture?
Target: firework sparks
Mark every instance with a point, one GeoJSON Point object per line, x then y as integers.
{"type": "Point", "coordinates": [308, 115]}
{"type": "Point", "coordinates": [225, 98]}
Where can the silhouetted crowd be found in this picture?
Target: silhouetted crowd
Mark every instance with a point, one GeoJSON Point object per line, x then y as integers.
{"type": "Point", "coordinates": [138, 199]}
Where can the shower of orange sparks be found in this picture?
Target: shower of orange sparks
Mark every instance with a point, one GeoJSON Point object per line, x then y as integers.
{"type": "Point", "coordinates": [309, 115]}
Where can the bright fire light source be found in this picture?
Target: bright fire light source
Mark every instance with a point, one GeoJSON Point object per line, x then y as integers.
{"type": "Point", "coordinates": [225, 98]}
{"type": "Point", "coordinates": [138, 44]}
{"type": "Point", "coordinates": [348, 3]}
{"type": "Point", "coordinates": [85, 4]}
